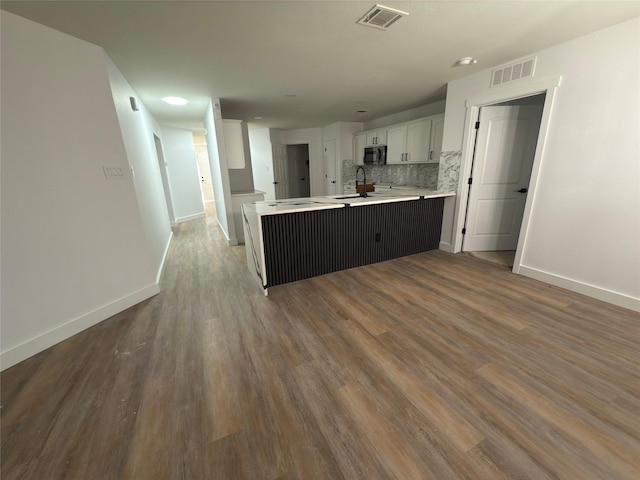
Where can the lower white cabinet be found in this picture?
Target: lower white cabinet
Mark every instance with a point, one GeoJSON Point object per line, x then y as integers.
{"type": "Point", "coordinates": [237, 200]}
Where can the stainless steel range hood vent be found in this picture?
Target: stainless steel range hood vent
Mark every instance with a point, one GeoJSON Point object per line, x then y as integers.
{"type": "Point", "coordinates": [381, 17]}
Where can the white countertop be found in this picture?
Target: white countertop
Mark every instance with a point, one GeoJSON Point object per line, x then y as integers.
{"type": "Point", "coordinates": [384, 195]}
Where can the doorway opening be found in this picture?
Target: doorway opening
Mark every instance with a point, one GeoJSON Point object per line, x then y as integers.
{"type": "Point", "coordinates": [298, 170]}
{"type": "Point", "coordinates": [204, 168]}
{"type": "Point", "coordinates": [506, 138]}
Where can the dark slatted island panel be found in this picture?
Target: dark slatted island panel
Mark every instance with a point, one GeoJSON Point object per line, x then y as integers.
{"type": "Point", "coordinates": [306, 244]}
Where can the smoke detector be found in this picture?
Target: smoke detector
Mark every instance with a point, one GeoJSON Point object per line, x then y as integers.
{"type": "Point", "coordinates": [381, 17]}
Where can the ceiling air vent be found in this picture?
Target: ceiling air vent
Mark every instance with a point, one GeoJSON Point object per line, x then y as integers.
{"type": "Point", "coordinates": [381, 17]}
{"type": "Point", "coordinates": [515, 71]}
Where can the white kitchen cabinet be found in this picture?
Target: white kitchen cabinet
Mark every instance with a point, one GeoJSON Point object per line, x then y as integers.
{"type": "Point", "coordinates": [359, 142]}
{"type": "Point", "coordinates": [396, 143]}
{"type": "Point", "coordinates": [417, 141]}
{"type": "Point", "coordinates": [437, 131]}
{"type": "Point", "coordinates": [234, 143]}
{"type": "Point", "coordinates": [376, 137]}
{"type": "Point", "coordinates": [409, 142]}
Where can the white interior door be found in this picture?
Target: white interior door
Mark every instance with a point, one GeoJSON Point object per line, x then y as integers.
{"type": "Point", "coordinates": [280, 172]}
{"type": "Point", "coordinates": [330, 166]}
{"type": "Point", "coordinates": [505, 149]}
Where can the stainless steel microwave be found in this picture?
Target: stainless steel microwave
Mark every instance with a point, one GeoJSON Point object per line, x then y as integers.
{"type": "Point", "coordinates": [375, 155]}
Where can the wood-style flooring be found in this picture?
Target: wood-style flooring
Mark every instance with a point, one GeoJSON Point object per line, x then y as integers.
{"type": "Point", "coordinates": [433, 366]}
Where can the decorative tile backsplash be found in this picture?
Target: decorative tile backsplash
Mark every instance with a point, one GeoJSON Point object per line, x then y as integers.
{"type": "Point", "coordinates": [419, 175]}
{"type": "Point", "coordinates": [441, 176]}
{"type": "Point", "coordinates": [449, 170]}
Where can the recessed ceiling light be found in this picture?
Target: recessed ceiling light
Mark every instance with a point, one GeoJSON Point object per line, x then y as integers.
{"type": "Point", "coordinates": [464, 61]}
{"type": "Point", "coordinates": [175, 100]}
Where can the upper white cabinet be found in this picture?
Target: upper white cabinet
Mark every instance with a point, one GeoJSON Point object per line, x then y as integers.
{"type": "Point", "coordinates": [376, 137]}
{"type": "Point", "coordinates": [409, 142]}
{"type": "Point", "coordinates": [437, 131]}
{"type": "Point", "coordinates": [234, 143]}
{"type": "Point", "coordinates": [359, 143]}
{"type": "Point", "coordinates": [418, 141]}
{"type": "Point", "coordinates": [396, 143]}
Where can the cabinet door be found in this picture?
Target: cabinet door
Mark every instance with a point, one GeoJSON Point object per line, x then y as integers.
{"type": "Point", "coordinates": [376, 137]}
{"type": "Point", "coordinates": [359, 141]}
{"type": "Point", "coordinates": [396, 144]}
{"type": "Point", "coordinates": [437, 130]}
{"type": "Point", "coordinates": [418, 141]}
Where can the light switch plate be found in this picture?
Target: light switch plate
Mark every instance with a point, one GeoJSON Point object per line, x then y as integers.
{"type": "Point", "coordinates": [113, 172]}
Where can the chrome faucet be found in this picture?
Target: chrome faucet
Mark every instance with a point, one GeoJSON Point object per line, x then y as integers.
{"type": "Point", "coordinates": [364, 185]}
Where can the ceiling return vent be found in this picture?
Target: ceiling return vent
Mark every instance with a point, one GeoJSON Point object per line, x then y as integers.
{"type": "Point", "coordinates": [381, 17]}
{"type": "Point", "coordinates": [515, 71]}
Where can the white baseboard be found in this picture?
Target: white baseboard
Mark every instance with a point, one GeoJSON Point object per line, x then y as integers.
{"type": "Point", "coordinates": [21, 352]}
{"type": "Point", "coordinates": [164, 259]}
{"type": "Point", "coordinates": [230, 241]}
{"type": "Point", "coordinates": [189, 217]}
{"type": "Point", "coordinates": [599, 293]}
{"type": "Point", "coordinates": [447, 247]}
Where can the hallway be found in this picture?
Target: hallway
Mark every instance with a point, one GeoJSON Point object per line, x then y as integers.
{"type": "Point", "coordinates": [432, 366]}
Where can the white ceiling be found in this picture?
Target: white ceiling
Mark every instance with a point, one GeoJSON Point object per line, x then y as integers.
{"type": "Point", "coordinates": [254, 55]}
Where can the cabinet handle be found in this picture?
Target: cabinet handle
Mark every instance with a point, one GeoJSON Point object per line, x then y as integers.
{"type": "Point", "coordinates": [431, 155]}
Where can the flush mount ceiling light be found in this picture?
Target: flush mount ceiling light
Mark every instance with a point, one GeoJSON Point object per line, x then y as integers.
{"type": "Point", "coordinates": [381, 17]}
{"type": "Point", "coordinates": [464, 61]}
{"type": "Point", "coordinates": [175, 100]}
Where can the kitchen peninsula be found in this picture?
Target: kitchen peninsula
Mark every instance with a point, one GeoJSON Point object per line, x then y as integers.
{"type": "Point", "coordinates": [293, 239]}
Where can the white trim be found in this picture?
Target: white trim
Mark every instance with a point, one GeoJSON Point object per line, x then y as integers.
{"type": "Point", "coordinates": [593, 291]}
{"type": "Point", "coordinates": [164, 259]}
{"type": "Point", "coordinates": [446, 246]}
{"type": "Point", "coordinates": [230, 241]}
{"type": "Point", "coordinates": [473, 105]}
{"type": "Point", "coordinates": [21, 352]}
{"type": "Point", "coordinates": [189, 217]}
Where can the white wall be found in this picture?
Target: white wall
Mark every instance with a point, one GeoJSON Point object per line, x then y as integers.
{"type": "Point", "coordinates": [262, 161]}
{"type": "Point", "coordinates": [137, 130]}
{"type": "Point", "coordinates": [584, 230]}
{"type": "Point", "coordinates": [219, 171]}
{"type": "Point", "coordinates": [182, 168]}
{"type": "Point", "coordinates": [342, 133]}
{"type": "Point", "coordinates": [407, 115]}
{"type": "Point", "coordinates": [73, 248]}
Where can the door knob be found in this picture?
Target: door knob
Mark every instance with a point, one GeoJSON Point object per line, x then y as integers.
{"type": "Point", "coordinates": [522, 190]}
{"type": "Point", "coordinates": [275, 183]}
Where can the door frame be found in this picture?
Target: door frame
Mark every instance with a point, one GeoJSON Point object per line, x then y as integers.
{"type": "Point", "coordinates": [473, 104]}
